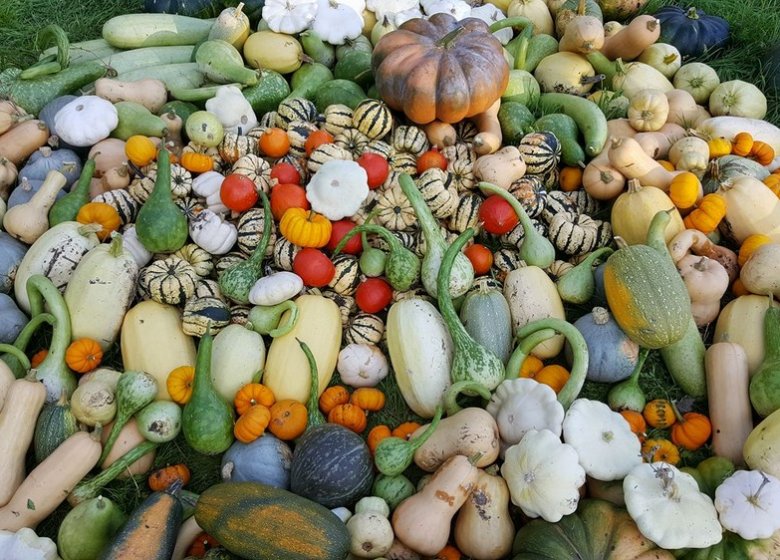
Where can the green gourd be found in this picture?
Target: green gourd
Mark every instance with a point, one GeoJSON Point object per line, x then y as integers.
{"type": "Point", "coordinates": [88, 528]}
{"type": "Point", "coordinates": [265, 319]}
{"type": "Point", "coordinates": [135, 119]}
{"type": "Point", "coordinates": [628, 395]}
{"type": "Point", "coordinates": [237, 281]}
{"type": "Point", "coordinates": [314, 416]}
{"type": "Point", "coordinates": [402, 267]}
{"type": "Point", "coordinates": [393, 455]}
{"type": "Point", "coordinates": [765, 382]}
{"type": "Point", "coordinates": [66, 209]}
{"type": "Point", "coordinates": [487, 318]}
{"type": "Point", "coordinates": [565, 129]}
{"type": "Point", "coordinates": [578, 285]}
{"type": "Point", "coordinates": [536, 249]}
{"type": "Point", "coordinates": [55, 424]}
{"type": "Point", "coordinates": [222, 63]}
{"type": "Point", "coordinates": [470, 360]}
{"type": "Point", "coordinates": [317, 49]}
{"type": "Point", "coordinates": [392, 489]}
{"type": "Point", "coordinates": [207, 420]}
{"type": "Point", "coordinates": [372, 260]}
{"type": "Point", "coordinates": [161, 226]}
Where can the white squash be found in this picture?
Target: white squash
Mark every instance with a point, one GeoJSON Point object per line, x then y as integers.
{"type": "Point", "coordinates": [751, 207]}
{"type": "Point", "coordinates": [237, 358]}
{"type": "Point", "coordinates": [211, 233]}
{"type": "Point", "coordinates": [86, 120]}
{"type": "Point", "coordinates": [370, 531]}
{"type": "Point", "coordinates": [521, 405]}
{"type": "Point", "coordinates": [648, 110]}
{"type": "Point", "coordinates": [565, 72]}
{"type": "Point", "coordinates": [130, 242]}
{"type": "Point", "coordinates": [208, 185]}
{"type": "Point", "coordinates": [729, 127]}
{"type": "Point", "coordinates": [490, 14]}
{"type": "Point", "coordinates": [93, 403]}
{"type": "Point", "coordinates": [232, 110]}
{"type": "Point", "coordinates": [275, 288]}
{"type": "Point", "coordinates": [741, 321]}
{"type": "Point", "coordinates": [289, 16]}
{"type": "Point", "coordinates": [698, 79]}
{"type": "Point", "coordinates": [690, 154]}
{"type": "Point", "coordinates": [663, 57]}
{"type": "Point", "coordinates": [738, 99]}
{"type": "Point", "coordinates": [362, 365]}
{"type": "Point", "coordinates": [25, 544]}
{"type": "Point", "coordinates": [761, 273]}
{"type": "Point", "coordinates": [337, 22]}
{"type": "Point", "coordinates": [635, 77]}
{"type": "Point", "coordinates": [536, 11]}
{"type": "Point", "coordinates": [748, 504]}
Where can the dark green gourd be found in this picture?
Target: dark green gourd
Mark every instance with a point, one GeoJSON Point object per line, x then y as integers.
{"type": "Point", "coordinates": [161, 226]}
{"type": "Point", "coordinates": [67, 208]}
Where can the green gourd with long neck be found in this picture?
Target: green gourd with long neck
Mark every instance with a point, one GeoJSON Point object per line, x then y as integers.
{"type": "Point", "coordinates": [67, 208]}
{"type": "Point", "coordinates": [207, 420]}
{"type": "Point", "coordinates": [161, 226]}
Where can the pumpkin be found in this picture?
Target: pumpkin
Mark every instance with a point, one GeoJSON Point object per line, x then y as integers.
{"type": "Point", "coordinates": [611, 354]}
{"type": "Point", "coordinates": [368, 398]}
{"type": "Point", "coordinates": [179, 384]}
{"type": "Point", "coordinates": [252, 423]}
{"type": "Point", "coordinates": [83, 355]}
{"type": "Point", "coordinates": [684, 190]}
{"type": "Point", "coordinates": [195, 162]}
{"type": "Point", "coordinates": [305, 228]}
{"type": "Point", "coordinates": [100, 213]}
{"type": "Point", "coordinates": [266, 460]}
{"type": "Point", "coordinates": [140, 150]}
{"type": "Point", "coordinates": [350, 416]}
{"type": "Point", "coordinates": [691, 431]}
{"type": "Point", "coordinates": [288, 419]}
{"type": "Point", "coordinates": [661, 450]}
{"type": "Point", "coordinates": [440, 69]}
{"type": "Point", "coordinates": [708, 214]}
{"type": "Point", "coordinates": [332, 397]}
{"type": "Point", "coordinates": [750, 244]}
{"type": "Point", "coordinates": [691, 30]}
{"type": "Point", "coordinates": [762, 152]}
{"type": "Point", "coordinates": [636, 421]}
{"type": "Point", "coordinates": [377, 434]}
{"type": "Point", "coordinates": [253, 394]}
{"type": "Point", "coordinates": [659, 413]}
{"type": "Point", "coordinates": [161, 479]}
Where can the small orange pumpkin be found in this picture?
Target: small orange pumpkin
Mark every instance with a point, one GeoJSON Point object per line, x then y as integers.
{"type": "Point", "coordinates": [636, 421]}
{"type": "Point", "coordinates": [305, 228]}
{"type": "Point", "coordinates": [553, 375]}
{"type": "Point", "coordinates": [253, 394]}
{"type": "Point", "coordinates": [201, 545]}
{"type": "Point", "coordinates": [288, 419]}
{"type": "Point", "coordinates": [742, 144]}
{"type": "Point", "coordinates": [684, 190]}
{"type": "Point", "coordinates": [195, 162]}
{"type": "Point", "coordinates": [38, 357]}
{"type": "Point", "coordinates": [750, 244]}
{"type": "Point", "coordinates": [659, 413]}
{"type": "Point", "coordinates": [83, 355]}
{"type": "Point", "coordinates": [449, 552]}
{"type": "Point", "coordinates": [368, 398]}
{"type": "Point", "coordinates": [179, 384]}
{"type": "Point", "coordinates": [333, 396]}
{"type": "Point", "coordinates": [709, 213]}
{"type": "Point", "coordinates": [691, 431]}
{"type": "Point", "coordinates": [252, 423]}
{"type": "Point", "coordinates": [405, 430]}
{"type": "Point", "coordinates": [668, 165]}
{"type": "Point", "coordinates": [739, 289]}
{"type": "Point", "coordinates": [102, 214]}
{"type": "Point", "coordinates": [140, 150]}
{"type": "Point", "coordinates": [161, 479]}
{"type": "Point", "coordinates": [570, 178]}
{"type": "Point", "coordinates": [350, 416]}
{"type": "Point", "coordinates": [773, 182]}
{"type": "Point", "coordinates": [661, 450]}
{"type": "Point", "coordinates": [377, 434]}
{"type": "Point", "coordinates": [762, 152]}
{"type": "Point", "coordinates": [531, 366]}
{"type": "Point", "coordinates": [719, 147]}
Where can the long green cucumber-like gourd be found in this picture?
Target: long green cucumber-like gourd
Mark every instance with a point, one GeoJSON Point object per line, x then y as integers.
{"type": "Point", "coordinates": [83, 51]}
{"type": "Point", "coordinates": [128, 61]}
{"type": "Point", "coordinates": [765, 382]}
{"type": "Point", "coordinates": [470, 361]}
{"type": "Point", "coordinates": [462, 270]}
{"type": "Point", "coordinates": [533, 333]}
{"type": "Point", "coordinates": [315, 417]}
{"type": "Point", "coordinates": [237, 281]}
{"type": "Point", "coordinates": [11, 359]}
{"type": "Point", "coordinates": [131, 31]}
{"type": "Point", "coordinates": [161, 226]}
{"type": "Point", "coordinates": [589, 118]}
{"type": "Point", "coordinates": [536, 249]}
{"type": "Point", "coordinates": [578, 285]}
{"type": "Point", "coordinates": [402, 267]}
{"type": "Point", "coordinates": [51, 33]}
{"type": "Point", "coordinates": [393, 455]}
{"type": "Point", "coordinates": [21, 357]}
{"type": "Point", "coordinates": [266, 319]}
{"type": "Point", "coordinates": [451, 406]}
{"type": "Point", "coordinates": [67, 208]}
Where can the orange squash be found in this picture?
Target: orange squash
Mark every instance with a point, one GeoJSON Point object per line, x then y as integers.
{"type": "Point", "coordinates": [742, 144]}
{"type": "Point", "coordinates": [377, 434]}
{"type": "Point", "coordinates": [661, 450]}
{"type": "Point", "coordinates": [350, 416]}
{"type": "Point", "coordinates": [102, 214]}
{"type": "Point", "coordinates": [636, 421]}
{"type": "Point", "coordinates": [288, 419]}
{"type": "Point", "coordinates": [252, 394]}
{"type": "Point", "coordinates": [83, 355]}
{"type": "Point", "coordinates": [252, 424]}
{"type": "Point", "coordinates": [195, 162]}
{"type": "Point", "coordinates": [161, 479]}
{"type": "Point", "coordinates": [405, 430]}
{"type": "Point", "coordinates": [179, 384]}
{"type": "Point", "coordinates": [368, 398]}
{"type": "Point", "coordinates": [691, 431]}
{"type": "Point", "coordinates": [750, 244]}
{"type": "Point", "coordinates": [659, 413]}
{"type": "Point", "coordinates": [305, 228]}
{"type": "Point", "coordinates": [332, 397]}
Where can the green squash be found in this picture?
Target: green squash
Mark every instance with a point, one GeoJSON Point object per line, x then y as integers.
{"type": "Point", "coordinates": [733, 547]}
{"type": "Point", "coordinates": [66, 209]}
{"type": "Point", "coordinates": [88, 528]}
{"type": "Point", "coordinates": [161, 226]}
{"type": "Point", "coordinates": [135, 119]}
{"type": "Point", "coordinates": [306, 79]}
{"type": "Point", "coordinates": [270, 90]}
{"type": "Point", "coordinates": [710, 473]}
{"type": "Point", "coordinates": [55, 424]}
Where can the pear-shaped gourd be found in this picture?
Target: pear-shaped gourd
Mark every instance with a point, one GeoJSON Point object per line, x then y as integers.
{"type": "Point", "coordinates": [222, 63]}
{"type": "Point", "coordinates": [207, 420]}
{"type": "Point", "coordinates": [161, 226]}
{"type": "Point", "coordinates": [88, 528]}
{"type": "Point", "coordinates": [135, 119]}
{"type": "Point", "coordinates": [578, 285]}
{"type": "Point", "coordinates": [232, 26]}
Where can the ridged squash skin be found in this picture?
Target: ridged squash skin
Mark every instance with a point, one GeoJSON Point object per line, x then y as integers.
{"type": "Point", "coordinates": [258, 521]}
{"type": "Point", "coordinates": [286, 369]}
{"type": "Point", "coordinates": [152, 341]}
{"type": "Point", "coordinates": [55, 424]}
{"type": "Point", "coordinates": [646, 296]}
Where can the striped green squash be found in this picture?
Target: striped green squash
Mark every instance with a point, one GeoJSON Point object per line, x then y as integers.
{"type": "Point", "coordinates": [204, 313]}
{"type": "Point", "coordinates": [258, 521]}
{"type": "Point", "coordinates": [55, 424]}
{"type": "Point", "coordinates": [540, 151]}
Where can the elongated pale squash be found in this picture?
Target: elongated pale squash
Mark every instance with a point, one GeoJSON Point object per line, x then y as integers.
{"type": "Point", "coordinates": [131, 31]}
{"type": "Point", "coordinates": [421, 351]}
{"type": "Point", "coordinates": [761, 450]}
{"type": "Point", "coordinates": [532, 296]}
{"type": "Point", "coordinates": [237, 357]}
{"type": "Point", "coordinates": [741, 321]}
{"type": "Point", "coordinates": [152, 341]}
{"type": "Point", "coordinates": [286, 368]}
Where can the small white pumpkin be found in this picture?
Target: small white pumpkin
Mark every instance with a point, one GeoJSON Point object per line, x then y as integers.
{"type": "Point", "coordinates": [25, 544]}
{"type": "Point", "coordinates": [338, 189]}
{"type": "Point", "coordinates": [663, 57]}
{"type": "Point", "coordinates": [275, 288]}
{"type": "Point", "coordinates": [648, 110]}
{"type": "Point", "coordinates": [382, 8]}
{"type": "Point", "coordinates": [93, 403]}
{"type": "Point", "coordinates": [520, 405]}
{"type": "Point", "coordinates": [490, 14]}
{"type": "Point", "coordinates": [289, 16]}
{"type": "Point", "coordinates": [362, 365]}
{"type": "Point", "coordinates": [207, 185]}
{"type": "Point", "coordinates": [86, 120]}
{"type": "Point", "coordinates": [211, 233]}
{"type": "Point", "coordinates": [748, 504]}
{"type": "Point", "coordinates": [690, 154]}
{"type": "Point", "coordinates": [456, 8]}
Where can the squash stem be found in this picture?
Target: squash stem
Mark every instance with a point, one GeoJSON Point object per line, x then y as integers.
{"type": "Point", "coordinates": [450, 37]}
{"type": "Point", "coordinates": [315, 417]}
{"type": "Point", "coordinates": [23, 340]}
{"type": "Point", "coordinates": [451, 405]}
{"type": "Point", "coordinates": [414, 444]}
{"type": "Point", "coordinates": [16, 353]}
{"type": "Point", "coordinates": [266, 319]}
{"type": "Point", "coordinates": [516, 21]}
{"type": "Point", "coordinates": [428, 223]}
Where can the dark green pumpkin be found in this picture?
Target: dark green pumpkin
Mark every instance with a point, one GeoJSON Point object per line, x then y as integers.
{"type": "Point", "coordinates": [55, 424]}
{"type": "Point", "coordinates": [349, 473]}
{"type": "Point", "coordinates": [691, 30]}
{"type": "Point", "coordinates": [202, 8]}
{"type": "Point", "coordinates": [258, 521]}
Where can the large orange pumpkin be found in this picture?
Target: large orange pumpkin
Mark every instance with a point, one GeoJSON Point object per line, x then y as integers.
{"type": "Point", "coordinates": [440, 68]}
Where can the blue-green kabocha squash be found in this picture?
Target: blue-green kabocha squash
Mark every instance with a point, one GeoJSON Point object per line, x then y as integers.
{"type": "Point", "coordinates": [331, 466]}
{"type": "Point", "coordinates": [611, 354]}
{"type": "Point", "coordinates": [266, 460]}
{"type": "Point", "coordinates": [691, 30]}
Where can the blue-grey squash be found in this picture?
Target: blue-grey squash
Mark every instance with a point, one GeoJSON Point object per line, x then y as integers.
{"type": "Point", "coordinates": [266, 460]}
{"type": "Point", "coordinates": [45, 159]}
{"type": "Point", "coordinates": [12, 320]}
{"type": "Point", "coordinates": [47, 115]}
{"type": "Point", "coordinates": [12, 252]}
{"type": "Point", "coordinates": [611, 354]}
{"type": "Point", "coordinates": [486, 317]}
{"type": "Point", "coordinates": [26, 189]}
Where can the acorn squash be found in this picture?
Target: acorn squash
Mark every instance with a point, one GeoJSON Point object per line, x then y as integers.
{"type": "Point", "coordinates": [691, 30]}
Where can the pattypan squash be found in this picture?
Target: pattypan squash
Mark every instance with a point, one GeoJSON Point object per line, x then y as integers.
{"type": "Point", "coordinates": [748, 504]}
{"type": "Point", "coordinates": [208, 185]}
{"type": "Point", "coordinates": [86, 120]}
{"type": "Point", "coordinates": [25, 544]}
{"type": "Point", "coordinates": [232, 109]}
{"type": "Point", "coordinates": [522, 404]}
{"type": "Point", "coordinates": [336, 22]}
{"type": "Point", "coordinates": [357, 5]}
{"type": "Point", "coordinates": [338, 189]}
{"type": "Point", "coordinates": [131, 244]}
{"type": "Point", "coordinates": [543, 475]}
{"type": "Point", "coordinates": [289, 16]}
{"type": "Point", "coordinates": [382, 8]}
{"type": "Point", "coordinates": [211, 233]}
{"type": "Point", "coordinates": [456, 8]}
{"type": "Point", "coordinates": [668, 508]}
{"type": "Point", "coordinates": [362, 365]}
{"type": "Point", "coordinates": [606, 446]}
{"type": "Point", "coordinates": [490, 14]}
{"type": "Point", "coordinates": [399, 18]}
{"type": "Point", "coordinates": [275, 288]}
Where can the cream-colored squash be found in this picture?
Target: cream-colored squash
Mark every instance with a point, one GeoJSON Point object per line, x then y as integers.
{"type": "Point", "coordinates": [750, 208]}
{"type": "Point", "coordinates": [237, 357]}
{"type": "Point", "coordinates": [648, 110]}
{"type": "Point", "coordinates": [633, 211]}
{"type": "Point", "coordinates": [690, 154]}
{"type": "Point", "coordinates": [535, 10]}
{"type": "Point", "coordinates": [742, 322]}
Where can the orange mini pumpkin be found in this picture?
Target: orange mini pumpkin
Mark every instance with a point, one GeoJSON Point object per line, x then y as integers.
{"type": "Point", "coordinates": [742, 144]}
{"type": "Point", "coordinates": [252, 424]}
{"type": "Point", "coordinates": [350, 416]}
{"type": "Point", "coordinates": [288, 419]}
{"type": "Point", "coordinates": [38, 357]}
{"type": "Point", "coordinates": [405, 430]}
{"type": "Point", "coordinates": [659, 413]}
{"type": "Point", "coordinates": [449, 552]}
{"type": "Point", "coordinates": [252, 394]}
{"type": "Point", "coordinates": [368, 398]}
{"type": "Point", "coordinates": [377, 434]}
{"type": "Point", "coordinates": [636, 421]}
{"type": "Point", "coordinates": [83, 355]}
{"type": "Point", "coordinates": [102, 214]}
{"type": "Point", "coordinates": [179, 384]}
{"type": "Point", "coordinates": [305, 228]}
{"type": "Point", "coordinates": [554, 376]}
{"type": "Point", "coordinates": [691, 431]}
{"type": "Point", "coordinates": [201, 545]}
{"type": "Point", "coordinates": [195, 162]}
{"type": "Point", "coordinates": [531, 366]}
{"type": "Point", "coordinates": [661, 450]}
{"type": "Point", "coordinates": [161, 479]}
{"type": "Point", "coordinates": [570, 178]}
{"type": "Point", "coordinates": [719, 147]}
{"type": "Point", "coordinates": [333, 396]}
{"type": "Point", "coordinates": [762, 152]}
{"type": "Point", "coordinates": [140, 150]}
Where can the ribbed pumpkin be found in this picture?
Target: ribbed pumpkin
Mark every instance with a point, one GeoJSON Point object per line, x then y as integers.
{"type": "Point", "coordinates": [295, 109]}
{"type": "Point", "coordinates": [305, 228]}
{"type": "Point", "coordinates": [691, 30]}
{"type": "Point", "coordinates": [171, 280]}
{"type": "Point", "coordinates": [440, 68]}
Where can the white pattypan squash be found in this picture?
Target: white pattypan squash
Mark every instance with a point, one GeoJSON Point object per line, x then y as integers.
{"type": "Point", "coordinates": [384, 7]}
{"type": "Point", "coordinates": [208, 185]}
{"type": "Point", "coordinates": [289, 16]}
{"type": "Point", "coordinates": [211, 233]}
{"type": "Point", "coordinates": [456, 8]}
{"type": "Point", "coordinates": [86, 120]}
{"type": "Point", "coordinates": [606, 446]}
{"type": "Point", "coordinates": [520, 405]}
{"type": "Point", "coordinates": [357, 5]}
{"type": "Point", "coordinates": [748, 504]}
{"type": "Point", "coordinates": [25, 544]}
{"type": "Point", "coordinates": [232, 109]}
{"type": "Point", "coordinates": [362, 365]}
{"type": "Point", "coordinates": [337, 189]}
{"type": "Point", "coordinates": [543, 476]}
{"type": "Point", "coordinates": [275, 288]}
{"type": "Point", "coordinates": [399, 18]}
{"type": "Point", "coordinates": [336, 22]}
{"type": "Point", "coordinates": [490, 14]}
{"type": "Point", "coordinates": [131, 244]}
{"type": "Point", "coordinates": [668, 508]}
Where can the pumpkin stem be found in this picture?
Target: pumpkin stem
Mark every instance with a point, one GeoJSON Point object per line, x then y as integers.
{"type": "Point", "coordinates": [600, 315]}
{"type": "Point", "coordinates": [676, 411]}
{"type": "Point", "coordinates": [238, 10]}
{"type": "Point", "coordinates": [692, 13]}
{"type": "Point", "coordinates": [450, 37]}
{"type": "Point", "coordinates": [593, 79]}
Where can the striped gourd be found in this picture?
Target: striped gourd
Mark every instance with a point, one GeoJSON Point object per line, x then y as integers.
{"type": "Point", "coordinates": [403, 162]}
{"type": "Point", "coordinates": [586, 204]}
{"type": "Point", "coordinates": [123, 202]}
{"type": "Point", "coordinates": [297, 133]}
{"type": "Point", "coordinates": [414, 293]}
{"type": "Point", "coordinates": [531, 193]}
{"type": "Point", "coordinates": [540, 151]}
{"type": "Point", "coordinates": [181, 181]}
{"type": "Point", "coordinates": [250, 232]}
{"type": "Point", "coordinates": [140, 188]}
{"type": "Point", "coordinates": [255, 168]}
{"type": "Point", "coordinates": [353, 141]}
{"type": "Point", "coordinates": [326, 152]}
{"type": "Point", "coordinates": [515, 236]}
{"type": "Point", "coordinates": [55, 424]}
{"type": "Point", "coordinates": [364, 328]}
{"type": "Point", "coordinates": [379, 147]}
{"type": "Point", "coordinates": [239, 314]}
{"type": "Point", "coordinates": [347, 276]}
{"type": "Point", "coordinates": [485, 283]}
{"type": "Point", "coordinates": [200, 259]}
{"type": "Point", "coordinates": [171, 280]}
{"type": "Point", "coordinates": [284, 253]}
{"type": "Point", "coordinates": [346, 304]}
{"type": "Point", "coordinates": [438, 192]}
{"type": "Point", "coordinates": [234, 146]}
{"type": "Point", "coordinates": [557, 202]}
{"type": "Point", "coordinates": [373, 118]}
{"type": "Point", "coordinates": [202, 314]}
{"type": "Point", "coordinates": [459, 151]}
{"type": "Point", "coordinates": [337, 118]}
{"type": "Point", "coordinates": [395, 212]}
{"type": "Point", "coordinates": [466, 131]}
{"type": "Point", "coordinates": [190, 206]}
{"type": "Point", "coordinates": [208, 288]}
{"type": "Point", "coordinates": [552, 179]}
{"type": "Point", "coordinates": [295, 109]}
{"type": "Point", "coordinates": [410, 139]}
{"type": "Point", "coordinates": [506, 259]}
{"type": "Point", "coordinates": [466, 214]}
{"type": "Point", "coordinates": [256, 133]}
{"type": "Point", "coordinates": [269, 120]}
{"type": "Point", "coordinates": [604, 234]}
{"type": "Point", "coordinates": [558, 268]}
{"type": "Point", "coordinates": [573, 234]}
{"type": "Point", "coordinates": [462, 172]}
{"type": "Point", "coordinates": [224, 262]}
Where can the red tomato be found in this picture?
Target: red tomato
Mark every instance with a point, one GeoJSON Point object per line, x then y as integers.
{"type": "Point", "coordinates": [285, 173]}
{"type": "Point", "coordinates": [376, 168]}
{"type": "Point", "coordinates": [238, 192]}
{"type": "Point", "coordinates": [481, 258]}
{"type": "Point", "coordinates": [338, 231]}
{"type": "Point", "coordinates": [497, 215]}
{"type": "Point", "coordinates": [431, 158]}
{"type": "Point", "coordinates": [314, 267]}
{"type": "Point", "coordinates": [373, 295]}
{"type": "Point", "coordinates": [287, 195]}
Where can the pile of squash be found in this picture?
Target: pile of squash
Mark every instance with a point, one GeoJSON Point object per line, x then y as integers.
{"type": "Point", "coordinates": [247, 240]}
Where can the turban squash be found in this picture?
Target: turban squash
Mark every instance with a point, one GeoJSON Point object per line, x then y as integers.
{"type": "Point", "coordinates": [440, 68]}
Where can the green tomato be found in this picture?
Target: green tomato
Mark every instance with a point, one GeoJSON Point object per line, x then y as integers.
{"type": "Point", "coordinates": [205, 129]}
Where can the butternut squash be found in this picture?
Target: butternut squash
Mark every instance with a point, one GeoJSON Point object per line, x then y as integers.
{"type": "Point", "coordinates": [683, 109]}
{"type": "Point", "coordinates": [484, 528]}
{"type": "Point", "coordinates": [422, 521]}
{"type": "Point", "coordinates": [628, 157]}
{"type": "Point", "coordinates": [108, 154]}
{"type": "Point", "coordinates": [657, 144]}
{"type": "Point", "coordinates": [21, 141]}
{"type": "Point", "coordinates": [583, 34]}
{"type": "Point", "coordinates": [730, 413]}
{"type": "Point", "coordinates": [17, 424]}
{"type": "Point", "coordinates": [631, 40]}
{"type": "Point", "coordinates": [441, 134]}
{"type": "Point", "coordinates": [150, 93]}
{"type": "Point", "coordinates": [488, 139]}
{"type": "Point", "coordinates": [620, 127]}
{"type": "Point", "coordinates": [29, 220]}
{"type": "Point", "coordinates": [47, 486]}
{"type": "Point", "coordinates": [601, 180]}
{"type": "Point", "coordinates": [501, 168]}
